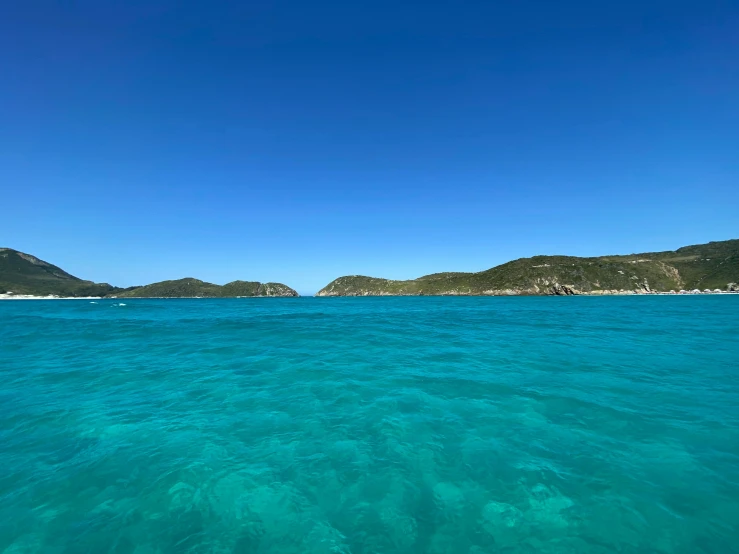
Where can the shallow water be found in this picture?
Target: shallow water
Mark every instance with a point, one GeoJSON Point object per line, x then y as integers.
{"type": "Point", "coordinates": [370, 425]}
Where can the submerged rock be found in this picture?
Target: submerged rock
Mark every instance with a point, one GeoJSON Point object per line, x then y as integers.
{"type": "Point", "coordinates": [548, 506]}
{"type": "Point", "coordinates": [503, 522]}
{"type": "Point", "coordinates": [496, 515]}
{"type": "Point", "coordinates": [448, 497]}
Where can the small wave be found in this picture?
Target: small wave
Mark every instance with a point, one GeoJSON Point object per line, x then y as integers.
{"type": "Point", "coordinates": [457, 434]}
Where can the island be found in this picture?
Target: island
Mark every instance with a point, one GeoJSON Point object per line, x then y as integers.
{"type": "Point", "coordinates": [24, 275]}
{"type": "Point", "coordinates": [703, 268]}
{"type": "Point", "coordinates": [195, 288]}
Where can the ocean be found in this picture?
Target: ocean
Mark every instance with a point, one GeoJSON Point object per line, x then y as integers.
{"type": "Point", "coordinates": [370, 425]}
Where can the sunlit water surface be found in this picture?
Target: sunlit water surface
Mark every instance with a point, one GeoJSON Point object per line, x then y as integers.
{"type": "Point", "coordinates": [370, 425]}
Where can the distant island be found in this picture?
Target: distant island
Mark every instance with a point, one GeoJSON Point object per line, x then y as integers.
{"type": "Point", "coordinates": [712, 267]}
{"type": "Point", "coordinates": [195, 288]}
{"type": "Point", "coordinates": [24, 274]}
{"type": "Point", "coordinates": [702, 268]}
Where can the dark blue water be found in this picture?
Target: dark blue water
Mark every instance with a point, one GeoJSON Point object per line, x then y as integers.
{"type": "Point", "coordinates": [370, 425]}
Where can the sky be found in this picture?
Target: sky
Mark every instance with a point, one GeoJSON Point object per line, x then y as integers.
{"type": "Point", "coordinates": [297, 141]}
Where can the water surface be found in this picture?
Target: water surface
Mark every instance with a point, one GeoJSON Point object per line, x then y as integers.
{"type": "Point", "coordinates": [370, 425]}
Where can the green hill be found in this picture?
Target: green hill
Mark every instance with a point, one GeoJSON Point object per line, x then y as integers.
{"type": "Point", "coordinates": [254, 288]}
{"type": "Point", "coordinates": [713, 265]}
{"type": "Point", "coordinates": [22, 273]}
{"type": "Point", "coordinates": [195, 288]}
{"type": "Point", "coordinates": [25, 274]}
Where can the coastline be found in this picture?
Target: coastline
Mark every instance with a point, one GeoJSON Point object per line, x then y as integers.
{"type": "Point", "coordinates": [367, 294]}
{"type": "Point", "coordinates": [54, 297]}
{"type": "Point", "coordinates": [47, 297]}
{"type": "Point", "coordinates": [567, 291]}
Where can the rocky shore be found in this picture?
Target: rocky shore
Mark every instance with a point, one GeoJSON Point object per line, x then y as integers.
{"type": "Point", "coordinates": [563, 290]}
{"type": "Point", "coordinates": [555, 289]}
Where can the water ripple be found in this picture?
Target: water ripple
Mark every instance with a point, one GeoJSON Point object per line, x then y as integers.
{"type": "Point", "coordinates": [371, 425]}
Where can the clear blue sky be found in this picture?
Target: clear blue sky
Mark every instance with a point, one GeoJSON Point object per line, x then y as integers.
{"type": "Point", "coordinates": [298, 141]}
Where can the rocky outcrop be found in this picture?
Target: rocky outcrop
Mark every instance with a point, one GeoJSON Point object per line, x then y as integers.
{"type": "Point", "coordinates": [564, 290]}
{"type": "Point", "coordinates": [671, 272]}
{"type": "Point", "coordinates": [732, 287]}
{"type": "Point", "coordinates": [241, 289]}
{"type": "Point", "coordinates": [276, 289]}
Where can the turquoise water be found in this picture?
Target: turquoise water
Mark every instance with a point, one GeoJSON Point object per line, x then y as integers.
{"type": "Point", "coordinates": [370, 425]}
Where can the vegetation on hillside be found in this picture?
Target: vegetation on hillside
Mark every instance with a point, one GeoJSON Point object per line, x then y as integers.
{"type": "Point", "coordinates": [195, 288]}
{"type": "Point", "coordinates": [713, 265]}
{"type": "Point", "coordinates": [25, 274]}
{"type": "Point", "coordinates": [22, 273]}
{"type": "Point", "coordinates": [706, 266]}
{"type": "Point", "coordinates": [254, 288]}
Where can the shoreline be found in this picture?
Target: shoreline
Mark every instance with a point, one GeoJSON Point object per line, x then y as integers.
{"type": "Point", "coordinates": [47, 297]}
{"type": "Point", "coordinates": [53, 297]}
{"type": "Point", "coordinates": [526, 295]}
{"type": "Point", "coordinates": [625, 293]}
